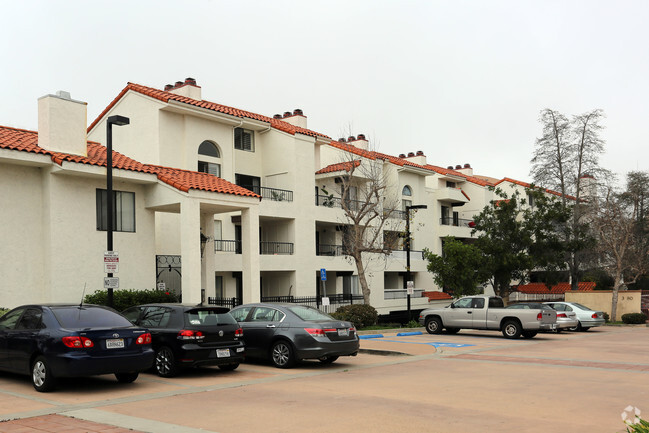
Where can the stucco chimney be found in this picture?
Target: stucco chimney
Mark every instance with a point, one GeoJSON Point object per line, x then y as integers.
{"type": "Point", "coordinates": [416, 158]}
{"type": "Point", "coordinates": [466, 170]}
{"type": "Point", "coordinates": [360, 141]}
{"type": "Point", "coordinates": [296, 118]}
{"type": "Point", "coordinates": [62, 124]}
{"type": "Point", "coordinates": [187, 88]}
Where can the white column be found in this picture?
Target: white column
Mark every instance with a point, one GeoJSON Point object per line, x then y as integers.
{"type": "Point", "coordinates": [209, 259]}
{"type": "Point", "coordinates": [250, 254]}
{"type": "Point", "coordinates": [190, 250]}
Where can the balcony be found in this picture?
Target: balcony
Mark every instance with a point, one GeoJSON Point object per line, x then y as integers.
{"type": "Point", "coordinates": [274, 194]}
{"type": "Point", "coordinates": [396, 214]}
{"type": "Point", "coordinates": [456, 222]}
{"type": "Point", "coordinates": [453, 195]}
{"type": "Point", "coordinates": [330, 201]}
{"type": "Point", "coordinates": [330, 250]}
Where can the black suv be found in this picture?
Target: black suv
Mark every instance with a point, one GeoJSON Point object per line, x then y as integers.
{"type": "Point", "coordinates": [190, 335]}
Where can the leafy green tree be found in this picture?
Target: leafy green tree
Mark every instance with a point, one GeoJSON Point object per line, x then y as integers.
{"type": "Point", "coordinates": [460, 267]}
{"type": "Point", "coordinates": [519, 234]}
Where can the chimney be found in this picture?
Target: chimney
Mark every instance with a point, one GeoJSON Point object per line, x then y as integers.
{"type": "Point", "coordinates": [417, 158]}
{"type": "Point", "coordinates": [466, 169]}
{"type": "Point", "coordinates": [360, 141]}
{"type": "Point", "coordinates": [187, 88]}
{"type": "Point", "coordinates": [62, 124]}
{"type": "Point", "coordinates": [296, 118]}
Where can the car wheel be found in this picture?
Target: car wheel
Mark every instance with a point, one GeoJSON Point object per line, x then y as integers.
{"type": "Point", "coordinates": [434, 325]}
{"type": "Point", "coordinates": [328, 359]}
{"type": "Point", "coordinates": [281, 355]}
{"type": "Point", "coordinates": [126, 377]}
{"type": "Point", "coordinates": [512, 329]}
{"type": "Point", "coordinates": [452, 330]}
{"type": "Point", "coordinates": [576, 328]}
{"type": "Point", "coordinates": [530, 334]}
{"type": "Point", "coordinates": [584, 328]}
{"type": "Point", "coordinates": [229, 367]}
{"type": "Point", "coordinates": [165, 362]}
{"type": "Point", "coordinates": [42, 377]}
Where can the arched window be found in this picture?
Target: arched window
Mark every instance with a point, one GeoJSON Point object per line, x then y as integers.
{"type": "Point", "coordinates": [406, 191]}
{"type": "Point", "coordinates": [209, 158]}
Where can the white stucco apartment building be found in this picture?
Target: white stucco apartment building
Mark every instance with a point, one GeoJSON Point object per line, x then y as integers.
{"type": "Point", "coordinates": [214, 201]}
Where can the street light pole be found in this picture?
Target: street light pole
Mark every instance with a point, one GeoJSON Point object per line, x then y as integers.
{"type": "Point", "coordinates": [408, 275]}
{"type": "Point", "coordinates": [119, 121]}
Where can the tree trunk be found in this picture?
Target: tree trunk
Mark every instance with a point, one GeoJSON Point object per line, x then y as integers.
{"type": "Point", "coordinates": [362, 280]}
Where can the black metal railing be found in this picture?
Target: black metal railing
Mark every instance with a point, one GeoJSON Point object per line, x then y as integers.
{"type": "Point", "coordinates": [227, 246]}
{"type": "Point", "coordinates": [224, 302]}
{"type": "Point", "coordinates": [457, 222]}
{"type": "Point", "coordinates": [273, 248]}
{"type": "Point", "coordinates": [331, 201]}
{"type": "Point", "coordinates": [330, 250]}
{"type": "Point", "coordinates": [275, 194]}
{"type": "Point", "coordinates": [395, 213]}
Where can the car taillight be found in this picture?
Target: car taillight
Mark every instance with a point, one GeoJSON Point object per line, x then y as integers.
{"type": "Point", "coordinates": [144, 339]}
{"type": "Point", "coordinates": [315, 332]}
{"type": "Point", "coordinates": [561, 315]}
{"type": "Point", "coordinates": [539, 316]}
{"type": "Point", "coordinates": [594, 316]}
{"type": "Point", "coordinates": [238, 333]}
{"type": "Point", "coordinates": [352, 329]}
{"type": "Point", "coordinates": [78, 342]}
{"type": "Point", "coordinates": [188, 334]}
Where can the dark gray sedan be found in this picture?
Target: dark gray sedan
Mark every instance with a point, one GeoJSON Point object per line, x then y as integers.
{"type": "Point", "coordinates": [288, 333]}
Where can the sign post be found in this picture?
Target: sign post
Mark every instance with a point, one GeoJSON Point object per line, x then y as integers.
{"type": "Point", "coordinates": [410, 289]}
{"type": "Point", "coordinates": [323, 278]}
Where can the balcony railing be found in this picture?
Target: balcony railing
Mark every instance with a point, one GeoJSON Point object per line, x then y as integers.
{"type": "Point", "coordinates": [395, 213]}
{"type": "Point", "coordinates": [335, 301]}
{"type": "Point", "coordinates": [402, 294]}
{"type": "Point", "coordinates": [275, 194]}
{"type": "Point", "coordinates": [457, 222]}
{"type": "Point", "coordinates": [269, 248]}
{"type": "Point", "coordinates": [329, 250]}
{"type": "Point", "coordinates": [275, 248]}
{"type": "Point", "coordinates": [402, 255]}
{"type": "Point", "coordinates": [330, 201]}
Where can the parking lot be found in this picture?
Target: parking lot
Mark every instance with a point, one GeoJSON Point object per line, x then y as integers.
{"type": "Point", "coordinates": [474, 381]}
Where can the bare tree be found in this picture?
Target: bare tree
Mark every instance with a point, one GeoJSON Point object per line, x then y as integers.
{"type": "Point", "coordinates": [621, 227]}
{"type": "Point", "coordinates": [566, 159]}
{"type": "Point", "coordinates": [368, 207]}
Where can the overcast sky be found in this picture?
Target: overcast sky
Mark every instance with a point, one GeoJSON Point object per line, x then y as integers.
{"type": "Point", "coordinates": [464, 81]}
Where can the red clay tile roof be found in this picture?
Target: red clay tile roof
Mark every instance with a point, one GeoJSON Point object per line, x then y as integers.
{"type": "Point", "coordinates": [184, 180]}
{"type": "Point", "coordinates": [437, 296]}
{"type": "Point", "coordinates": [528, 185]}
{"type": "Point", "coordinates": [346, 166]}
{"type": "Point", "coordinates": [163, 96]}
{"type": "Point", "coordinates": [541, 288]}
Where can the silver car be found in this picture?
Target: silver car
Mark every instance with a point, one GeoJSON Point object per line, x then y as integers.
{"type": "Point", "coordinates": [565, 319]}
{"type": "Point", "coordinates": [587, 318]}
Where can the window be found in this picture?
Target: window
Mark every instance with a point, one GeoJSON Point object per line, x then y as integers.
{"type": "Point", "coordinates": [243, 139]}
{"type": "Point", "coordinates": [209, 158]}
{"type": "Point", "coordinates": [218, 286]}
{"type": "Point", "coordinates": [405, 204]}
{"type": "Point", "coordinates": [406, 191]}
{"type": "Point", "coordinates": [252, 183]}
{"type": "Point", "coordinates": [450, 184]}
{"type": "Point", "coordinates": [123, 211]}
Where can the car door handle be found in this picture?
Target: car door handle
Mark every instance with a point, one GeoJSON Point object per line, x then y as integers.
{"type": "Point", "coordinates": [270, 326]}
{"type": "Point", "coordinates": [469, 312]}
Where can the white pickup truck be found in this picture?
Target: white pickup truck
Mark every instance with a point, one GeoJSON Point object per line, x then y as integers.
{"type": "Point", "coordinates": [487, 312]}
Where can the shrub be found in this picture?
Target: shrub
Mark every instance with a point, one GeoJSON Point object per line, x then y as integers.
{"type": "Point", "coordinates": [361, 315]}
{"type": "Point", "coordinates": [607, 318]}
{"type": "Point", "coordinates": [3, 311]}
{"type": "Point", "coordinates": [123, 299]}
{"type": "Point", "coordinates": [634, 318]}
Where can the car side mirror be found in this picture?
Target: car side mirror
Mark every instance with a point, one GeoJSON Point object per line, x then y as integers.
{"type": "Point", "coordinates": [452, 305]}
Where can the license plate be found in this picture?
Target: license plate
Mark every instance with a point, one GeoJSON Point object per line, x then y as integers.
{"type": "Point", "coordinates": [343, 332]}
{"type": "Point", "coordinates": [117, 343]}
{"type": "Point", "coordinates": [222, 353]}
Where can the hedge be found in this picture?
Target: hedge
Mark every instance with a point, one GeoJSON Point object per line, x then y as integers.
{"type": "Point", "coordinates": [634, 318]}
{"type": "Point", "coordinates": [123, 299]}
{"type": "Point", "coordinates": [361, 315]}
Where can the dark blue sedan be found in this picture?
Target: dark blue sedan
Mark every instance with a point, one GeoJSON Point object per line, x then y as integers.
{"type": "Point", "coordinates": [55, 341]}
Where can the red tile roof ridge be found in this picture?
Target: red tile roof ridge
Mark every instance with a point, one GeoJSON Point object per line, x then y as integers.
{"type": "Point", "coordinates": [165, 96]}
{"type": "Point", "coordinates": [340, 166]}
{"type": "Point", "coordinates": [529, 185]}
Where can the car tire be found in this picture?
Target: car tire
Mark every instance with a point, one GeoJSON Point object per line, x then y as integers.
{"type": "Point", "coordinates": [281, 354]}
{"type": "Point", "coordinates": [512, 329]}
{"type": "Point", "coordinates": [328, 359]}
{"type": "Point", "coordinates": [165, 362]}
{"type": "Point", "coordinates": [530, 334]}
{"type": "Point", "coordinates": [452, 330]}
{"type": "Point", "coordinates": [584, 328]}
{"type": "Point", "coordinates": [42, 377]}
{"type": "Point", "coordinates": [229, 367]}
{"type": "Point", "coordinates": [576, 328]}
{"type": "Point", "coordinates": [434, 325]}
{"type": "Point", "coordinates": [126, 377]}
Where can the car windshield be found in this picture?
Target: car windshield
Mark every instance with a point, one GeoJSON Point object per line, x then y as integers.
{"type": "Point", "coordinates": [581, 307]}
{"type": "Point", "coordinates": [308, 313]}
{"type": "Point", "coordinates": [209, 317]}
{"type": "Point", "coordinates": [89, 317]}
